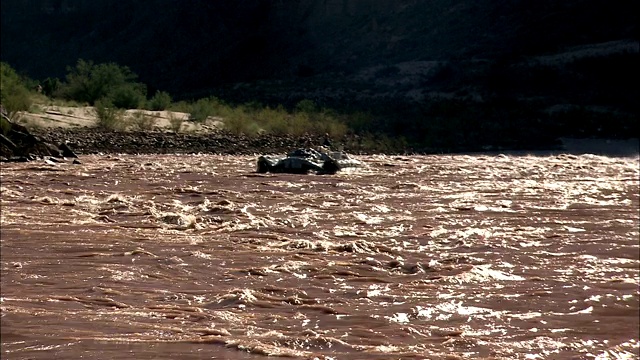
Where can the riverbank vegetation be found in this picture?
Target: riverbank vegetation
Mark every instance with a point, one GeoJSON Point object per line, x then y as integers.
{"type": "Point", "coordinates": [111, 89]}
{"type": "Point", "coordinates": [439, 123]}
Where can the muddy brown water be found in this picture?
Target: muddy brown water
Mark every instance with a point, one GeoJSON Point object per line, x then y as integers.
{"type": "Point", "coordinates": [421, 257]}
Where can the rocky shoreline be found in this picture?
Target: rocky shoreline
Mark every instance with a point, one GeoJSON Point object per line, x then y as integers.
{"type": "Point", "coordinates": [85, 141]}
{"type": "Point", "coordinates": [93, 141]}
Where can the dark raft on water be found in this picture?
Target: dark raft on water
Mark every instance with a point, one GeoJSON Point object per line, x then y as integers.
{"type": "Point", "coordinates": [304, 161]}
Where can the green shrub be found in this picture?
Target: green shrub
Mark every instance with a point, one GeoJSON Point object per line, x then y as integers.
{"type": "Point", "coordinates": [253, 106]}
{"type": "Point", "coordinates": [333, 128]}
{"type": "Point", "coordinates": [298, 124]}
{"type": "Point", "coordinates": [307, 106]}
{"type": "Point", "coordinates": [203, 108]}
{"type": "Point", "coordinates": [109, 117]}
{"type": "Point", "coordinates": [127, 96]}
{"type": "Point", "coordinates": [89, 82]}
{"type": "Point", "coordinates": [238, 121]}
{"type": "Point", "coordinates": [160, 101]}
{"type": "Point", "coordinates": [14, 93]}
{"type": "Point", "coordinates": [50, 86]}
{"type": "Point", "coordinates": [272, 120]}
{"type": "Point", "coordinates": [18, 100]}
{"type": "Point", "coordinates": [328, 122]}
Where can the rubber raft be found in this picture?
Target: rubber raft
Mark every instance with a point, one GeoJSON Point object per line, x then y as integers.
{"type": "Point", "coordinates": [304, 161]}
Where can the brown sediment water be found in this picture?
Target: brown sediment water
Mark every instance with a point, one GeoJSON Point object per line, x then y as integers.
{"type": "Point", "coordinates": [198, 257]}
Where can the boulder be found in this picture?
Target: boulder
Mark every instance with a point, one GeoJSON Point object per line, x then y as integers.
{"type": "Point", "coordinates": [16, 142]}
{"type": "Point", "coordinates": [66, 151]}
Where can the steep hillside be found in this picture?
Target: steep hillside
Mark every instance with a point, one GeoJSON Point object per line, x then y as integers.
{"type": "Point", "coordinates": [193, 45]}
{"type": "Point", "coordinates": [380, 55]}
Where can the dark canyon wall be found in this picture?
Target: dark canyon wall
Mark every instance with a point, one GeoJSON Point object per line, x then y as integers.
{"type": "Point", "coordinates": [187, 45]}
{"type": "Point", "coordinates": [361, 53]}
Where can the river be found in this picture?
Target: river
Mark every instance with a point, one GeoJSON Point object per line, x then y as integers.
{"type": "Point", "coordinates": [412, 257]}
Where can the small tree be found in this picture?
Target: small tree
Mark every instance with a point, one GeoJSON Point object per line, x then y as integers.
{"type": "Point", "coordinates": [14, 94]}
{"type": "Point", "coordinates": [88, 82]}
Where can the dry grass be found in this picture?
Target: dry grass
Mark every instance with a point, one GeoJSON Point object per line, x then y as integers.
{"type": "Point", "coordinates": [142, 121]}
{"type": "Point", "coordinates": [109, 117]}
{"type": "Point", "coordinates": [175, 122]}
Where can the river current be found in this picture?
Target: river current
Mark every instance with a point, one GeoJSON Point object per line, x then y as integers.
{"type": "Point", "coordinates": [411, 257]}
